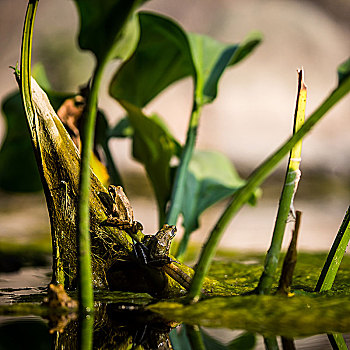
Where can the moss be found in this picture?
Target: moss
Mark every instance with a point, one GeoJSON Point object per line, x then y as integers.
{"type": "Point", "coordinates": [268, 315]}
{"type": "Point", "coordinates": [303, 314]}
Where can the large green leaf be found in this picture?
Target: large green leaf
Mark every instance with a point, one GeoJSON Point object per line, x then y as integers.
{"type": "Point", "coordinates": [161, 58]}
{"type": "Point", "coordinates": [166, 53]}
{"type": "Point", "coordinates": [211, 177]}
{"type": "Point", "coordinates": [103, 23]}
{"type": "Point", "coordinates": [154, 147]}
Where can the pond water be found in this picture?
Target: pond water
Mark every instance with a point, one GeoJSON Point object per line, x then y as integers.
{"type": "Point", "coordinates": [121, 323]}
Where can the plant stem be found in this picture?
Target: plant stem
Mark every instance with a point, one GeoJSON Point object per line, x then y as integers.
{"type": "Point", "coordinates": [84, 255]}
{"type": "Point", "coordinates": [194, 337]}
{"type": "Point", "coordinates": [335, 256]}
{"type": "Point", "coordinates": [290, 260]}
{"type": "Point", "coordinates": [337, 341]}
{"type": "Point", "coordinates": [181, 172]}
{"type": "Point", "coordinates": [85, 332]}
{"type": "Point", "coordinates": [286, 200]}
{"type": "Point", "coordinates": [271, 343]}
{"type": "Point", "coordinates": [182, 246]}
{"type": "Point", "coordinates": [254, 181]}
{"type": "Point", "coordinates": [25, 65]}
{"type": "Point", "coordinates": [330, 270]}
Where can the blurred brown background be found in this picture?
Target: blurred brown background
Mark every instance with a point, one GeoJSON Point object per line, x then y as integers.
{"type": "Point", "coordinates": [250, 118]}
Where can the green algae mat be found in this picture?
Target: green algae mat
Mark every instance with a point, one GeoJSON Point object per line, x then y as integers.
{"type": "Point", "coordinates": [302, 313]}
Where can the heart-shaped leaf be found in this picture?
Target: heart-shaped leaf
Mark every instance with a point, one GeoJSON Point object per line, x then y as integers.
{"type": "Point", "coordinates": [211, 177]}
{"type": "Point", "coordinates": [211, 58]}
{"type": "Point", "coordinates": [166, 53]}
{"type": "Point", "coordinates": [161, 58]}
{"type": "Point", "coordinates": [104, 27]}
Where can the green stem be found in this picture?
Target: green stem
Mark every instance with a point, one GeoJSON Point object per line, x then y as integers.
{"type": "Point", "coordinates": [287, 195]}
{"type": "Point", "coordinates": [85, 332]}
{"type": "Point", "coordinates": [271, 343]}
{"type": "Point", "coordinates": [25, 66]}
{"type": "Point", "coordinates": [181, 172]}
{"type": "Point", "coordinates": [330, 270]}
{"type": "Point", "coordinates": [182, 246]}
{"type": "Point", "coordinates": [335, 256]}
{"type": "Point", "coordinates": [195, 337]}
{"type": "Point", "coordinates": [86, 297]}
{"type": "Point", "coordinates": [337, 341]}
{"type": "Point", "coordinates": [254, 181]}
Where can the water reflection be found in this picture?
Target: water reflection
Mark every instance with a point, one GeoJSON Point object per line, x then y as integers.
{"type": "Point", "coordinates": [120, 326]}
{"type": "Point", "coordinates": [126, 326]}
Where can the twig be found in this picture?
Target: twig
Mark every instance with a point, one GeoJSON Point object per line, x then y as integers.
{"type": "Point", "coordinates": [290, 260]}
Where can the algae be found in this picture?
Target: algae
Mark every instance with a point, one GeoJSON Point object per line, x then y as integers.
{"type": "Point", "coordinates": [303, 314]}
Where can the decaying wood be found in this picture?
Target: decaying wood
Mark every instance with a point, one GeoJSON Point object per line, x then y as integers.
{"type": "Point", "coordinates": [59, 161]}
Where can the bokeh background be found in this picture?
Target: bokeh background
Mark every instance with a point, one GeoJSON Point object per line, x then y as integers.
{"type": "Point", "coordinates": [250, 118]}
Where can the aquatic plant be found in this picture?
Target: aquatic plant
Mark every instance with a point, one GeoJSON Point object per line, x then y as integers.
{"type": "Point", "coordinates": [154, 52]}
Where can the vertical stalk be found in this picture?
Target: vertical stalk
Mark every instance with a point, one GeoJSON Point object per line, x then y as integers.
{"type": "Point", "coordinates": [271, 343]}
{"type": "Point", "coordinates": [290, 260]}
{"type": "Point", "coordinates": [25, 65]}
{"type": "Point", "coordinates": [181, 172]}
{"type": "Point", "coordinates": [337, 341]}
{"type": "Point", "coordinates": [84, 257]}
{"type": "Point", "coordinates": [330, 270]}
{"type": "Point", "coordinates": [85, 332]}
{"type": "Point", "coordinates": [195, 337]}
{"type": "Point", "coordinates": [335, 256]}
{"type": "Point", "coordinates": [287, 196]}
{"type": "Point", "coordinates": [182, 246]}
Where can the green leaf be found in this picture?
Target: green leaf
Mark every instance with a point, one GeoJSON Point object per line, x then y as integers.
{"type": "Point", "coordinates": [128, 39]}
{"type": "Point", "coordinates": [211, 178]}
{"type": "Point", "coordinates": [166, 53]}
{"type": "Point", "coordinates": [154, 147]}
{"type": "Point", "coordinates": [19, 171]}
{"type": "Point", "coordinates": [161, 58]}
{"type": "Point", "coordinates": [343, 71]}
{"type": "Point", "coordinates": [335, 256]}
{"type": "Point", "coordinates": [211, 58]}
{"type": "Point", "coordinates": [179, 340]}
{"type": "Point", "coordinates": [101, 25]}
